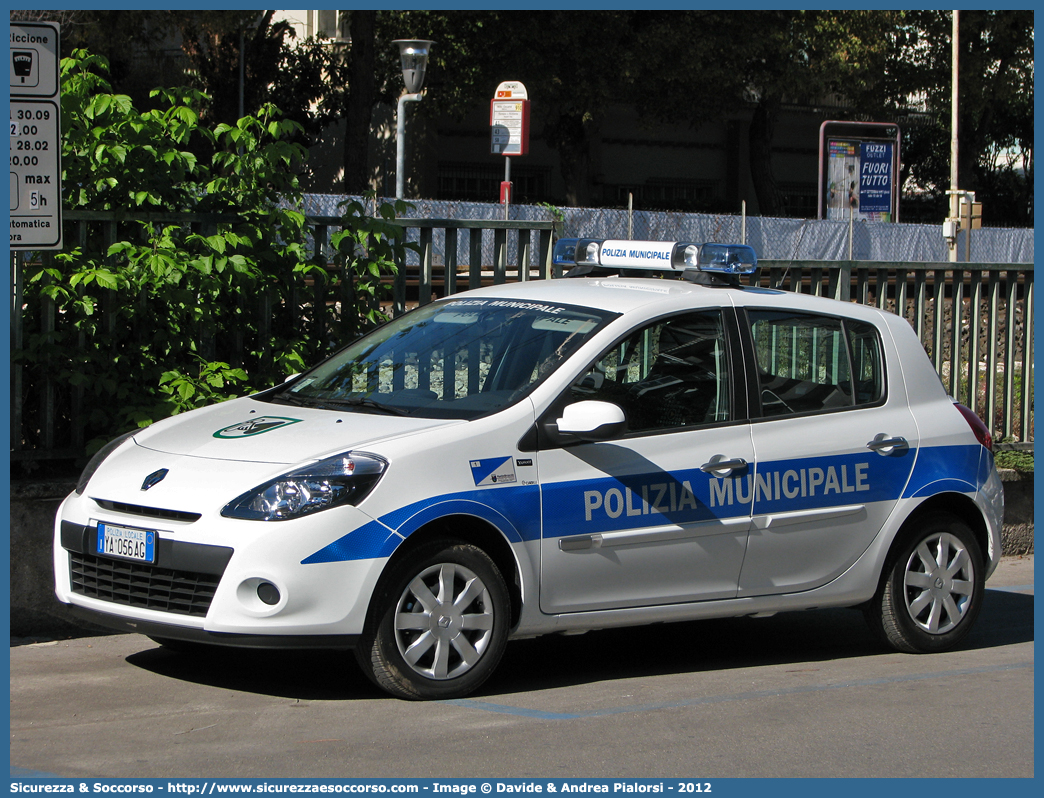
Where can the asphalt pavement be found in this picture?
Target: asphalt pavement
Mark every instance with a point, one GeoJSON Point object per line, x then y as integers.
{"type": "Point", "coordinates": [807, 694]}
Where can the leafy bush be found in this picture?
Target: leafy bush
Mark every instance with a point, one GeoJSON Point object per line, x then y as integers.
{"type": "Point", "coordinates": [168, 315]}
{"type": "Point", "coordinates": [1014, 458]}
{"type": "Point", "coordinates": [1020, 461]}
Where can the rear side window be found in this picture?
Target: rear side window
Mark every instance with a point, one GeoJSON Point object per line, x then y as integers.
{"type": "Point", "coordinates": [808, 363]}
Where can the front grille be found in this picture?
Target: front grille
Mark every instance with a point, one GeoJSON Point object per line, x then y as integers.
{"type": "Point", "coordinates": [148, 512]}
{"type": "Point", "coordinates": [143, 585]}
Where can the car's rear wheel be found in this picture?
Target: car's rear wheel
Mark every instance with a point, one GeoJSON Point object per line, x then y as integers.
{"type": "Point", "coordinates": [930, 596]}
{"type": "Point", "coordinates": [438, 625]}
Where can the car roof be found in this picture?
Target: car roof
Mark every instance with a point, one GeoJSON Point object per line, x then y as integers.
{"type": "Point", "coordinates": [619, 295]}
{"type": "Point", "coordinates": [626, 294]}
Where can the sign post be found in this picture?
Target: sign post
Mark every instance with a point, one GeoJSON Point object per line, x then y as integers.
{"type": "Point", "coordinates": [36, 170]}
{"type": "Point", "coordinates": [509, 129]}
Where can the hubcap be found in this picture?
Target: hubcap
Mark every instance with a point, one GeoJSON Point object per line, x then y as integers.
{"type": "Point", "coordinates": [939, 582]}
{"type": "Point", "coordinates": [444, 621]}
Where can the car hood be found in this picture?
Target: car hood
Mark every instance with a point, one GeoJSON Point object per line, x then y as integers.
{"type": "Point", "coordinates": [247, 430]}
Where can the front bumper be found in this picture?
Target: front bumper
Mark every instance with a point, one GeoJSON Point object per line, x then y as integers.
{"type": "Point", "coordinates": [169, 631]}
{"type": "Point", "coordinates": [203, 585]}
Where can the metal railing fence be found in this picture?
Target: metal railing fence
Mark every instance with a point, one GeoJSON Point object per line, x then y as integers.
{"type": "Point", "coordinates": [979, 316]}
{"type": "Point", "coordinates": [771, 237]}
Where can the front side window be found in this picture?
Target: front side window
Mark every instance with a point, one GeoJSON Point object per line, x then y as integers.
{"type": "Point", "coordinates": [808, 363]}
{"type": "Point", "coordinates": [458, 359]}
{"type": "Point", "coordinates": [673, 373]}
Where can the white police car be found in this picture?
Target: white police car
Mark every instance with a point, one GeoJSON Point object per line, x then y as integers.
{"type": "Point", "coordinates": [553, 456]}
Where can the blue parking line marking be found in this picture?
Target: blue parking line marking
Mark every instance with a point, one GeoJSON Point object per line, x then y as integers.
{"type": "Point", "coordinates": [1012, 588]}
{"type": "Point", "coordinates": [503, 709]}
{"type": "Point", "coordinates": [23, 773]}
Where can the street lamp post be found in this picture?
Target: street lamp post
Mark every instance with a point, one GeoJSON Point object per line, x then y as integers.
{"type": "Point", "coordinates": [954, 192]}
{"type": "Point", "coordinates": [414, 53]}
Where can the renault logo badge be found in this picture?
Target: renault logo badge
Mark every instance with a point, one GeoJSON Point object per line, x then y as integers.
{"type": "Point", "coordinates": [154, 478]}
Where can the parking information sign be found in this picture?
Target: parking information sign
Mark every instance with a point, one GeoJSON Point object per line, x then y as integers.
{"type": "Point", "coordinates": [509, 119]}
{"type": "Point", "coordinates": [36, 174]}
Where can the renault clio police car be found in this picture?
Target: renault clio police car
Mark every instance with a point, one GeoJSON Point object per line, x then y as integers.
{"type": "Point", "coordinates": [553, 456]}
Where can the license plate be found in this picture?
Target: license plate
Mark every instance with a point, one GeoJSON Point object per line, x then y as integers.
{"type": "Point", "coordinates": [127, 543]}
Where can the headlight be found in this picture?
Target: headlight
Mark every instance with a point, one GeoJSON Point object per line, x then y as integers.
{"type": "Point", "coordinates": [344, 479]}
{"type": "Point", "coordinates": [99, 457]}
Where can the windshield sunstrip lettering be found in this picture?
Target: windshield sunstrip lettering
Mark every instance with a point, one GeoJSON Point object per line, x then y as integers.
{"type": "Point", "coordinates": [511, 304]}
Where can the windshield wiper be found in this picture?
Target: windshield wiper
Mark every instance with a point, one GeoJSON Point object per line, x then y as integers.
{"type": "Point", "coordinates": [299, 401]}
{"type": "Point", "coordinates": [367, 402]}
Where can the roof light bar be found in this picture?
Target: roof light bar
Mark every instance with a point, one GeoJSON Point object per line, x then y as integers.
{"type": "Point", "coordinates": [727, 259]}
{"type": "Point", "coordinates": [730, 259]}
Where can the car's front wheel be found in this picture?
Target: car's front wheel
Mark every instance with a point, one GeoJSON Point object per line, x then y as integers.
{"type": "Point", "coordinates": [438, 625]}
{"type": "Point", "coordinates": [930, 596]}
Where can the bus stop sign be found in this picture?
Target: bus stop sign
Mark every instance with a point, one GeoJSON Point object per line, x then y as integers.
{"type": "Point", "coordinates": [509, 119]}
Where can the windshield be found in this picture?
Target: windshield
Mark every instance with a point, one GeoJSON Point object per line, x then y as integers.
{"type": "Point", "coordinates": [459, 359]}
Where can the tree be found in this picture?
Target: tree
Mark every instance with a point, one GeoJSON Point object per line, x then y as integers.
{"type": "Point", "coordinates": [995, 81]}
{"type": "Point", "coordinates": [169, 317]}
{"type": "Point", "coordinates": [212, 40]}
{"type": "Point", "coordinates": [359, 104]}
{"type": "Point", "coordinates": [798, 57]}
{"type": "Point", "coordinates": [133, 42]}
{"type": "Point", "coordinates": [576, 63]}
{"type": "Point", "coordinates": [305, 80]}
{"type": "Point", "coordinates": [671, 66]}
{"type": "Point", "coordinates": [584, 68]}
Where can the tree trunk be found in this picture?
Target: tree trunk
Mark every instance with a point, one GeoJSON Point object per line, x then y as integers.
{"type": "Point", "coordinates": [572, 138]}
{"type": "Point", "coordinates": [359, 103]}
{"type": "Point", "coordinates": [761, 132]}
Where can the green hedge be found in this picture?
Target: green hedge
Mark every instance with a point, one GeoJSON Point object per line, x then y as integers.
{"type": "Point", "coordinates": [169, 316]}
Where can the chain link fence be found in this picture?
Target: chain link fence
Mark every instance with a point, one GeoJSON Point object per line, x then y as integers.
{"type": "Point", "coordinates": [772, 238]}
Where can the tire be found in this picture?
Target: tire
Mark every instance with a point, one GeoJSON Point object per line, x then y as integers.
{"type": "Point", "coordinates": [438, 624]}
{"type": "Point", "coordinates": [932, 590]}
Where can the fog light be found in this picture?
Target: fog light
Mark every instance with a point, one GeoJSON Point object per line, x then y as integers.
{"type": "Point", "coordinates": [268, 593]}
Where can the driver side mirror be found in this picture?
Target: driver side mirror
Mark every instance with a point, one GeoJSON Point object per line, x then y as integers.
{"type": "Point", "coordinates": [592, 420]}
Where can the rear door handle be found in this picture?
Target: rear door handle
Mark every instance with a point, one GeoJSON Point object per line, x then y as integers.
{"type": "Point", "coordinates": [884, 445]}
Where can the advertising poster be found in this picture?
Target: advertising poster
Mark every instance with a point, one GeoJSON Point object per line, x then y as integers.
{"type": "Point", "coordinates": [875, 181]}
{"type": "Point", "coordinates": [843, 179]}
{"type": "Point", "coordinates": [860, 178]}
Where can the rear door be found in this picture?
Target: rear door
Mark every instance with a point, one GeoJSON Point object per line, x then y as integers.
{"type": "Point", "coordinates": [835, 444]}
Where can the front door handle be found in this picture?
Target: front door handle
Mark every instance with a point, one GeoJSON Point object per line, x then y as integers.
{"type": "Point", "coordinates": [720, 467]}
{"type": "Point", "coordinates": [884, 445]}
